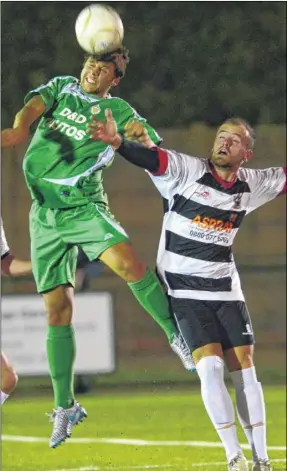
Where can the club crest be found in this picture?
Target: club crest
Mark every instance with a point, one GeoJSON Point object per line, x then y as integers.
{"type": "Point", "coordinates": [237, 200]}
{"type": "Point", "coordinates": [95, 109]}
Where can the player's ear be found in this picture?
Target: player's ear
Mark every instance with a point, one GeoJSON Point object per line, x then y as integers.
{"type": "Point", "coordinates": [248, 155]}
{"type": "Point", "coordinates": [115, 82]}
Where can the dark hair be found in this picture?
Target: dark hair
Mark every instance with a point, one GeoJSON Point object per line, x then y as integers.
{"type": "Point", "coordinates": [236, 121]}
{"type": "Point", "coordinates": [119, 57]}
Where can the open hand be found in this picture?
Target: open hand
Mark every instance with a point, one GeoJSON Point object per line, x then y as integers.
{"type": "Point", "coordinates": [105, 132]}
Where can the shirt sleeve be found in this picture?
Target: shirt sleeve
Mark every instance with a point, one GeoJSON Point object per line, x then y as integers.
{"type": "Point", "coordinates": [4, 245]}
{"type": "Point", "coordinates": [127, 114]}
{"type": "Point", "coordinates": [176, 170]}
{"type": "Point", "coordinates": [265, 185]}
{"type": "Point", "coordinates": [49, 91]}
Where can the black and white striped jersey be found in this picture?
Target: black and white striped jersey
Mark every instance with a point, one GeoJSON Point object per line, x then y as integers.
{"type": "Point", "coordinates": [4, 246]}
{"type": "Point", "coordinates": [202, 216]}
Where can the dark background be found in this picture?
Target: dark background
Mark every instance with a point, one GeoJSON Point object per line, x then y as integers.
{"type": "Point", "coordinates": [190, 61]}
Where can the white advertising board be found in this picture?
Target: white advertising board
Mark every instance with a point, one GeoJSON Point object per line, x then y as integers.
{"type": "Point", "coordinates": [24, 333]}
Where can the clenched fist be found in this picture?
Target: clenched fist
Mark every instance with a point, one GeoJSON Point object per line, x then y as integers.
{"type": "Point", "coordinates": [135, 131]}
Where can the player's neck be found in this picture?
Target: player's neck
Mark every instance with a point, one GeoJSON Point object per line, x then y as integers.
{"type": "Point", "coordinates": [228, 175]}
{"type": "Point", "coordinates": [98, 94]}
{"type": "Point", "coordinates": [224, 175]}
{"type": "Point", "coordinates": [101, 94]}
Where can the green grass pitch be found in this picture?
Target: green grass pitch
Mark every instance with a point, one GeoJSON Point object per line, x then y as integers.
{"type": "Point", "coordinates": [153, 418]}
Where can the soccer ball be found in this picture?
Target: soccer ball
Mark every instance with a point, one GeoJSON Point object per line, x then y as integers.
{"type": "Point", "coordinates": [99, 29]}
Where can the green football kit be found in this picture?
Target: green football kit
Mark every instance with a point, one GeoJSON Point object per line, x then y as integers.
{"type": "Point", "coordinates": [63, 167]}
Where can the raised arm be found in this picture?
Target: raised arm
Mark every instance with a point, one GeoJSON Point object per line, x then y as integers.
{"type": "Point", "coordinates": [143, 153]}
{"type": "Point", "coordinates": [265, 185]}
{"type": "Point", "coordinates": [23, 120]}
{"type": "Point", "coordinates": [168, 169]}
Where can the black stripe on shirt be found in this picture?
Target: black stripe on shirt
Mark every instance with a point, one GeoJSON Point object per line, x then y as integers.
{"type": "Point", "coordinates": [5, 254]}
{"type": "Point", "coordinates": [239, 186]}
{"type": "Point", "coordinates": [165, 205]}
{"type": "Point", "coordinates": [197, 283]}
{"type": "Point", "coordinates": [190, 209]}
{"type": "Point", "coordinates": [196, 249]}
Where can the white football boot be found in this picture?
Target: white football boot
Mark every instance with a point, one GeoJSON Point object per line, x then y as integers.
{"type": "Point", "coordinates": [180, 348]}
{"type": "Point", "coordinates": [64, 420]}
{"type": "Point", "coordinates": [262, 465]}
{"type": "Point", "coordinates": [79, 415]}
{"type": "Point", "coordinates": [239, 463]}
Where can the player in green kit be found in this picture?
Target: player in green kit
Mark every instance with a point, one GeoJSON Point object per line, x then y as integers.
{"type": "Point", "coordinates": [63, 169]}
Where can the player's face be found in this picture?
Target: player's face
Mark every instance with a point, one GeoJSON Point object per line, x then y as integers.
{"type": "Point", "coordinates": [98, 77]}
{"type": "Point", "coordinates": [231, 146]}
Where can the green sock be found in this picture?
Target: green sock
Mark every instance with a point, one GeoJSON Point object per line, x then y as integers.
{"type": "Point", "coordinates": [153, 299]}
{"type": "Point", "coordinates": [61, 352]}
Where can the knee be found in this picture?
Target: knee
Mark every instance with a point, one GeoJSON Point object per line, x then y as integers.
{"type": "Point", "coordinates": [210, 367]}
{"type": "Point", "coordinates": [9, 380]}
{"type": "Point", "coordinates": [59, 308]}
{"type": "Point", "coordinates": [207, 355]}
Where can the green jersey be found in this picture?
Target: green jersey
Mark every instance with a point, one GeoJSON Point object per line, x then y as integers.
{"type": "Point", "coordinates": [63, 165]}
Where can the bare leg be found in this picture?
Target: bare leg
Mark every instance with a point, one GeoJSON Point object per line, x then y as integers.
{"type": "Point", "coordinates": [9, 378]}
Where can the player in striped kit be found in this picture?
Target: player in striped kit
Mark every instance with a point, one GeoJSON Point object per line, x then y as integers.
{"type": "Point", "coordinates": [205, 202]}
{"type": "Point", "coordinates": [12, 266]}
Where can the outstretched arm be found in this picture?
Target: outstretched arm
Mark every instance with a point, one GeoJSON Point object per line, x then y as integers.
{"type": "Point", "coordinates": [23, 120]}
{"type": "Point", "coordinates": [175, 168]}
{"type": "Point", "coordinates": [152, 159]}
{"type": "Point", "coordinates": [142, 153]}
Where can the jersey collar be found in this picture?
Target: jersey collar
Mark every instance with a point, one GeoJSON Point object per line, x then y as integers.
{"type": "Point", "coordinates": [220, 180]}
{"type": "Point", "coordinates": [91, 95]}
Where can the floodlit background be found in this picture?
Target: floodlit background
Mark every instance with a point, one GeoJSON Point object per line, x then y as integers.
{"type": "Point", "coordinates": [193, 64]}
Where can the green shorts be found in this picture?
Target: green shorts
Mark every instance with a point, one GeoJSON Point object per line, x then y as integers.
{"type": "Point", "coordinates": [57, 233]}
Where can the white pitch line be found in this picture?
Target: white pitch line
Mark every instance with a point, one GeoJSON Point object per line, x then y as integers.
{"type": "Point", "coordinates": [89, 468]}
{"type": "Point", "coordinates": [155, 466]}
{"type": "Point", "coordinates": [92, 468]}
{"type": "Point", "coordinates": [216, 463]}
{"type": "Point", "coordinates": [127, 441]}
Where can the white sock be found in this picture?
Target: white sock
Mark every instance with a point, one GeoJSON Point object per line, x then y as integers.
{"type": "Point", "coordinates": [4, 396]}
{"type": "Point", "coordinates": [251, 410]}
{"type": "Point", "coordinates": [218, 403]}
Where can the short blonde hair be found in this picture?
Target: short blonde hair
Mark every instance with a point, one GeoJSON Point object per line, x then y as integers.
{"type": "Point", "coordinates": [237, 121]}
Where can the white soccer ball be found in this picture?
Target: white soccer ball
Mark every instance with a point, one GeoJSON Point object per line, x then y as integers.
{"type": "Point", "coordinates": [99, 29]}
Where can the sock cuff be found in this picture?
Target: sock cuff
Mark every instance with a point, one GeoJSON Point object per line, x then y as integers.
{"type": "Point", "coordinates": [60, 331]}
{"type": "Point", "coordinates": [243, 378]}
{"type": "Point", "coordinates": [3, 396]}
{"type": "Point", "coordinates": [145, 282]}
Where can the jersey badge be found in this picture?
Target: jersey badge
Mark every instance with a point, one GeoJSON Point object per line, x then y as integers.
{"type": "Point", "coordinates": [202, 194]}
{"type": "Point", "coordinates": [233, 217]}
{"type": "Point", "coordinates": [95, 109]}
{"type": "Point", "coordinates": [237, 200]}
